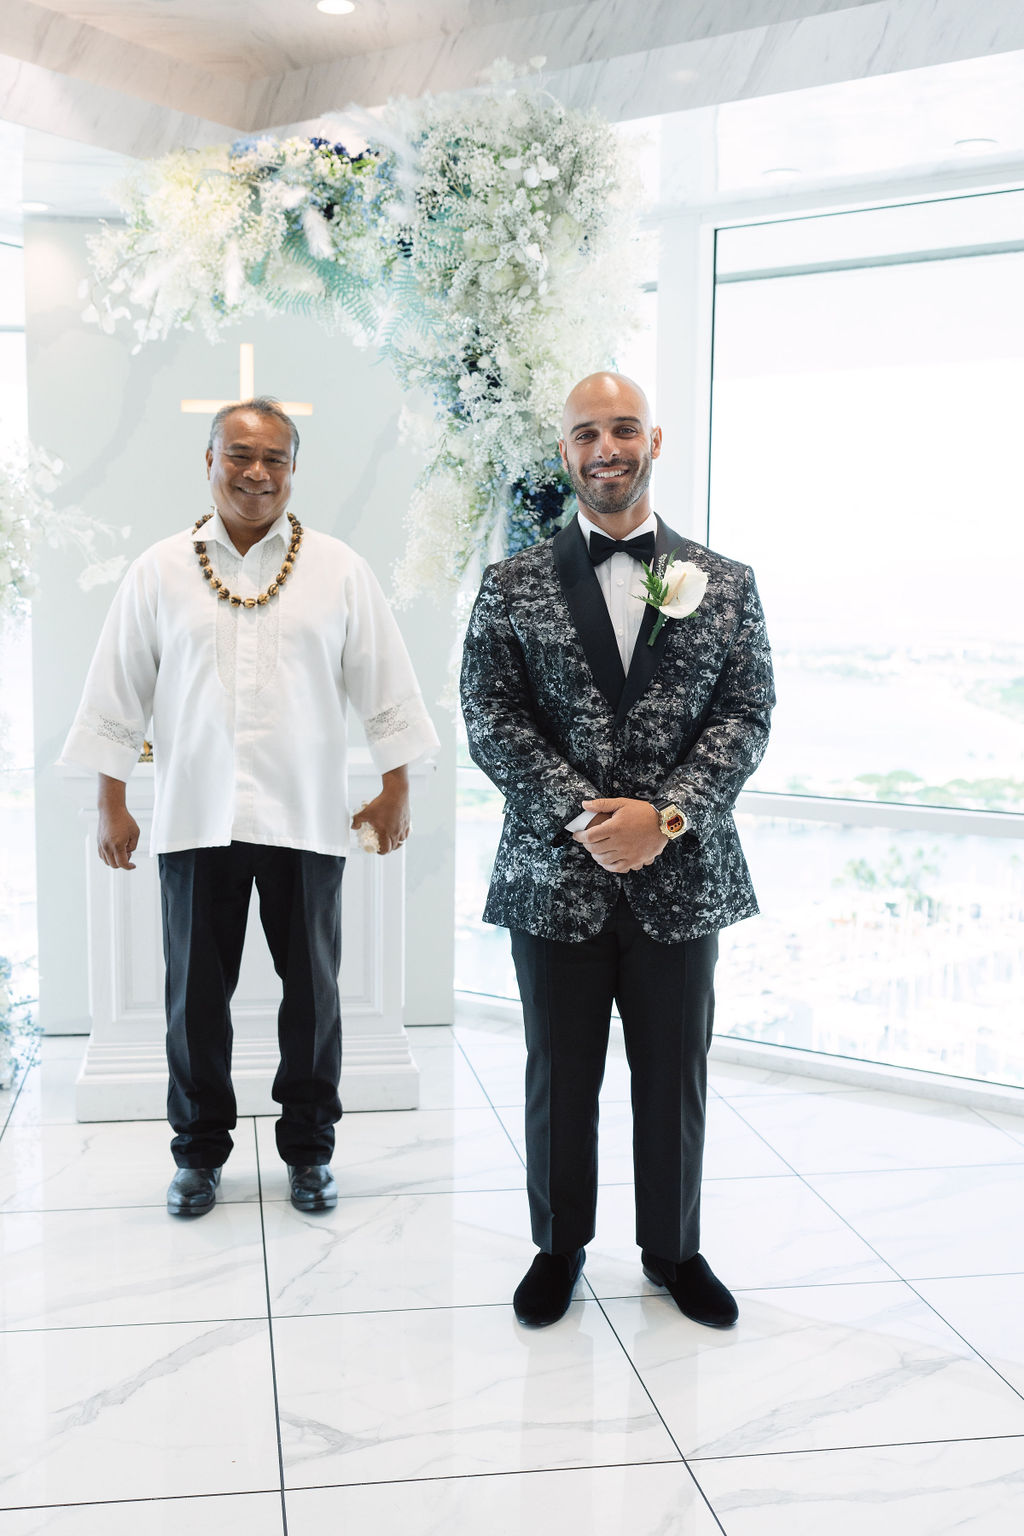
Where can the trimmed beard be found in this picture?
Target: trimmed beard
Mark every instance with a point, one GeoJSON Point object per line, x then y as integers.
{"type": "Point", "coordinates": [622, 494]}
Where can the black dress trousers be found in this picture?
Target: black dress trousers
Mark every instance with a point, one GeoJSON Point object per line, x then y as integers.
{"type": "Point", "coordinates": [665, 997]}
{"type": "Point", "coordinates": [205, 896]}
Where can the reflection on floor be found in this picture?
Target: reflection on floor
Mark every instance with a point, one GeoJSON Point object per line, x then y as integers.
{"type": "Point", "coordinates": [261, 1372]}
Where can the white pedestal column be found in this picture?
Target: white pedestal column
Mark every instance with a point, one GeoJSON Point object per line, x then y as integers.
{"type": "Point", "coordinates": [124, 1075]}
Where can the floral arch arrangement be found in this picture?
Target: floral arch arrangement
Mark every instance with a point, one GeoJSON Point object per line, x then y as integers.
{"type": "Point", "coordinates": [483, 242]}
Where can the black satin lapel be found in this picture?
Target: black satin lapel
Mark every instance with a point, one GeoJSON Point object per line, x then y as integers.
{"type": "Point", "coordinates": [646, 658]}
{"type": "Point", "coordinates": [589, 611]}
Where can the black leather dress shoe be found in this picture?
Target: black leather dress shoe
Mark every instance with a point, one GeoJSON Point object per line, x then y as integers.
{"type": "Point", "coordinates": [697, 1292]}
{"type": "Point", "coordinates": [545, 1291]}
{"type": "Point", "coordinates": [193, 1191]}
{"type": "Point", "coordinates": [313, 1187]}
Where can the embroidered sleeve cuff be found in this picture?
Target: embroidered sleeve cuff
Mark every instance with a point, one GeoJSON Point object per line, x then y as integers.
{"type": "Point", "coordinates": [86, 749]}
{"type": "Point", "coordinates": [401, 734]}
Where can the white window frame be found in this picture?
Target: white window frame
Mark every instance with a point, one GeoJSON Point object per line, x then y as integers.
{"type": "Point", "coordinates": [686, 309]}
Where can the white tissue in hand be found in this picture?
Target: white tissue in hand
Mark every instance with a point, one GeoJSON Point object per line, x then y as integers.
{"type": "Point", "coordinates": [369, 842]}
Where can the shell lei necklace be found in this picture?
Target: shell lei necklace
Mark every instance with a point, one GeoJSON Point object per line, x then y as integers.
{"type": "Point", "coordinates": [275, 586]}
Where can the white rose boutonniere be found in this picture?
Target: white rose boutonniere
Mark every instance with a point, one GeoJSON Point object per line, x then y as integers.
{"type": "Point", "coordinates": [674, 587]}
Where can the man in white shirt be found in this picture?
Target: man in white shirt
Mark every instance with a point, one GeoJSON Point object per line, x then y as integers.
{"type": "Point", "coordinates": [620, 743]}
{"type": "Point", "coordinates": [243, 640]}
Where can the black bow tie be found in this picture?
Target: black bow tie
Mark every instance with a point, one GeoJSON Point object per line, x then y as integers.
{"type": "Point", "coordinates": [641, 548]}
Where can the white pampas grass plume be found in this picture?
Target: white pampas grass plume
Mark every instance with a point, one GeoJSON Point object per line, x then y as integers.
{"type": "Point", "coordinates": [317, 232]}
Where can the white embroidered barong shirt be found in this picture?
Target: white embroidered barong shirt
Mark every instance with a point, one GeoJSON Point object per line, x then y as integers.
{"type": "Point", "coordinates": [246, 707]}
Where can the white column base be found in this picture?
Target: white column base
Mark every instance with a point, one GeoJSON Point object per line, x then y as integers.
{"type": "Point", "coordinates": [124, 1074]}
{"type": "Point", "coordinates": [125, 1081]}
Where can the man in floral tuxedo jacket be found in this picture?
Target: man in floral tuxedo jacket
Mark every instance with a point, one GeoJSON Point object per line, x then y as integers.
{"type": "Point", "coordinates": [620, 761]}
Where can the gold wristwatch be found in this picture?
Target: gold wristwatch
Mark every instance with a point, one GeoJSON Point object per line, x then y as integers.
{"type": "Point", "coordinates": [670, 818]}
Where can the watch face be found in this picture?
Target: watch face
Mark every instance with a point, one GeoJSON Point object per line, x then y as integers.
{"type": "Point", "coordinates": [673, 822]}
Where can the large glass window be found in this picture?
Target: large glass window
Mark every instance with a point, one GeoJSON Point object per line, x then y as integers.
{"type": "Point", "coordinates": [17, 844]}
{"type": "Point", "coordinates": [868, 390]}
{"type": "Point", "coordinates": [483, 961]}
{"type": "Point", "coordinates": [896, 945]}
{"type": "Point", "coordinates": [865, 460]}
{"type": "Point", "coordinates": [13, 399]}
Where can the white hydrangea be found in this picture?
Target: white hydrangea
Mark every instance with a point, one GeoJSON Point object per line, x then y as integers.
{"type": "Point", "coordinates": [488, 249]}
{"type": "Point", "coordinates": [216, 234]}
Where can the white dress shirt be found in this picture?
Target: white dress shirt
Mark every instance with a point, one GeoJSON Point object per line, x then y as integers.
{"type": "Point", "coordinates": [620, 579]}
{"type": "Point", "coordinates": [248, 705]}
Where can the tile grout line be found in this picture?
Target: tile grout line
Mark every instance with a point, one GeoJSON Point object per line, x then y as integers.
{"type": "Point", "coordinates": [980, 1114]}
{"type": "Point", "coordinates": [145, 1498]}
{"type": "Point", "coordinates": [604, 1314]}
{"type": "Point", "coordinates": [962, 1337]}
{"type": "Point", "coordinates": [485, 1306]}
{"type": "Point", "coordinates": [983, 1115]}
{"type": "Point", "coordinates": [793, 1172]}
{"type": "Point", "coordinates": [972, 1111]}
{"type": "Point", "coordinates": [882, 1259]}
{"type": "Point", "coordinates": [270, 1335]}
{"type": "Point", "coordinates": [650, 1398]}
{"type": "Point", "coordinates": [480, 1476]}
{"type": "Point", "coordinates": [868, 1445]}
{"type": "Point", "coordinates": [762, 1097]}
{"type": "Point", "coordinates": [26, 1073]}
{"type": "Point", "coordinates": [490, 1103]}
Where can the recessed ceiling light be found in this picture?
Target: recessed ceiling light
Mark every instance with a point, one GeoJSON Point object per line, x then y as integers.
{"type": "Point", "coordinates": [35, 207]}
{"type": "Point", "coordinates": [975, 146]}
{"type": "Point", "coordinates": [335, 7]}
{"type": "Point", "coordinates": [782, 171]}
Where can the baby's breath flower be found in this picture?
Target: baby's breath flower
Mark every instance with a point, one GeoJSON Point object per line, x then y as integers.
{"type": "Point", "coordinates": [487, 248]}
{"type": "Point", "coordinates": [28, 478]}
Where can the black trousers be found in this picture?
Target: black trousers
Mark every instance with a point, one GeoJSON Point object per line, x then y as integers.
{"type": "Point", "coordinates": [665, 997]}
{"type": "Point", "coordinates": [205, 899]}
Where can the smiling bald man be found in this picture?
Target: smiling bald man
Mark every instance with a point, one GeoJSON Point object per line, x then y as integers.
{"type": "Point", "coordinates": [620, 748]}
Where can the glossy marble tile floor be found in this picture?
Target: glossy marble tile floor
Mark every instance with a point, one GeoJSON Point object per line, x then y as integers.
{"type": "Point", "coordinates": [259, 1372]}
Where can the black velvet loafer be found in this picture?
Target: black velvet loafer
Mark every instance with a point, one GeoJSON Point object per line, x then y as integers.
{"type": "Point", "coordinates": [545, 1291]}
{"type": "Point", "coordinates": [312, 1187]}
{"type": "Point", "coordinates": [696, 1291]}
{"type": "Point", "coordinates": [193, 1191]}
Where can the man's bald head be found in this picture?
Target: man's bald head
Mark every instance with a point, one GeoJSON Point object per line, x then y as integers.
{"type": "Point", "coordinates": [601, 391]}
{"type": "Point", "coordinates": [608, 446]}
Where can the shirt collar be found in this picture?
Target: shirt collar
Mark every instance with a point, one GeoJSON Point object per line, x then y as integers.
{"type": "Point", "coordinates": [214, 531]}
{"type": "Point", "coordinates": [649, 525]}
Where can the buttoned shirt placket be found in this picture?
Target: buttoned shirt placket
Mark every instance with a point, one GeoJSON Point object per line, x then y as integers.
{"type": "Point", "coordinates": [248, 620]}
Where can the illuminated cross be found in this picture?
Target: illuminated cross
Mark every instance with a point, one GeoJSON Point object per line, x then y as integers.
{"type": "Point", "coordinates": [246, 389]}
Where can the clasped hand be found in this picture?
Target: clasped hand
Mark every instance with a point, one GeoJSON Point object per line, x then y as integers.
{"type": "Point", "coordinates": [623, 835]}
{"type": "Point", "coordinates": [388, 815]}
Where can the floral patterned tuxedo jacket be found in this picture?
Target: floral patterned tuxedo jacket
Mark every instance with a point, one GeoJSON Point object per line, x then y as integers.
{"type": "Point", "coordinates": [553, 721]}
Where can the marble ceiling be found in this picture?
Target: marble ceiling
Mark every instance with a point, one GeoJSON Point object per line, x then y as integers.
{"type": "Point", "coordinates": [143, 76]}
{"type": "Point", "coordinates": [253, 39]}
{"type": "Point", "coordinates": [735, 98]}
